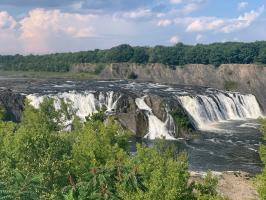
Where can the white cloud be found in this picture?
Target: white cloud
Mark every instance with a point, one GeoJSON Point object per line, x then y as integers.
{"type": "Point", "coordinates": [242, 21]}
{"type": "Point", "coordinates": [189, 8]}
{"type": "Point", "coordinates": [204, 24]}
{"type": "Point", "coordinates": [7, 21]}
{"type": "Point", "coordinates": [176, 1]}
{"type": "Point", "coordinates": [40, 21]}
{"type": "Point", "coordinates": [8, 34]}
{"type": "Point", "coordinates": [139, 13]}
{"type": "Point", "coordinates": [164, 22]}
{"type": "Point", "coordinates": [242, 5]}
{"type": "Point", "coordinates": [201, 24]}
{"type": "Point", "coordinates": [42, 26]}
{"type": "Point", "coordinates": [174, 39]}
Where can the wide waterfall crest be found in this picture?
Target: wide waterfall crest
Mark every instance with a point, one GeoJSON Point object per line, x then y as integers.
{"type": "Point", "coordinates": [157, 128]}
{"type": "Point", "coordinates": [220, 106]}
{"type": "Point", "coordinates": [85, 104]}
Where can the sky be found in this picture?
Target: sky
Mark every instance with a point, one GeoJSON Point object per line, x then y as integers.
{"type": "Point", "coordinates": [48, 26]}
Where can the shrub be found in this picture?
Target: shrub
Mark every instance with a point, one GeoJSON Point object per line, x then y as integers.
{"type": "Point", "coordinates": [182, 121]}
{"type": "Point", "coordinates": [99, 68]}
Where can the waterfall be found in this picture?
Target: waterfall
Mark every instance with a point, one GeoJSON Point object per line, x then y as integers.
{"type": "Point", "coordinates": [220, 106]}
{"type": "Point", "coordinates": [85, 104]}
{"type": "Point", "coordinates": [157, 128]}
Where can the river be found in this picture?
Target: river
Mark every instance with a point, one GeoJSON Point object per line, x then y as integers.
{"type": "Point", "coordinates": [228, 131]}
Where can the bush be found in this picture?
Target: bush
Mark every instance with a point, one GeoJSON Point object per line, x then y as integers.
{"type": "Point", "coordinates": [182, 121]}
{"type": "Point", "coordinates": [99, 68]}
{"type": "Point", "coordinates": [40, 161]}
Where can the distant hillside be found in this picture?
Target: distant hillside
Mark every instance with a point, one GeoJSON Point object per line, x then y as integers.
{"type": "Point", "coordinates": [180, 54]}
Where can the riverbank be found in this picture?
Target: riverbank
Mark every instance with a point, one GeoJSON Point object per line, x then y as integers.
{"type": "Point", "coordinates": [47, 75]}
{"type": "Point", "coordinates": [234, 185]}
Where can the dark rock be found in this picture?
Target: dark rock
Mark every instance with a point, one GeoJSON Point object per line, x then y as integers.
{"type": "Point", "coordinates": [13, 104]}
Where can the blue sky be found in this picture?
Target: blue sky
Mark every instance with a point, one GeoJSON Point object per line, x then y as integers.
{"type": "Point", "coordinates": [47, 26]}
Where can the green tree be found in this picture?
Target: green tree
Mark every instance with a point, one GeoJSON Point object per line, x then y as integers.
{"type": "Point", "coordinates": [20, 186]}
{"type": "Point", "coordinates": [262, 56]}
{"type": "Point", "coordinates": [140, 55]}
{"type": "Point", "coordinates": [39, 160]}
{"type": "Point", "coordinates": [121, 53]}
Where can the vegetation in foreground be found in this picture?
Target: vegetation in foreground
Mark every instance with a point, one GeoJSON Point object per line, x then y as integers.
{"type": "Point", "coordinates": [41, 161]}
{"type": "Point", "coordinates": [178, 55]}
{"type": "Point", "coordinates": [261, 179]}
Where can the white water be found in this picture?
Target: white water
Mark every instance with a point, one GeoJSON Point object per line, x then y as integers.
{"type": "Point", "coordinates": [157, 128]}
{"type": "Point", "coordinates": [205, 110]}
{"type": "Point", "coordinates": [85, 104]}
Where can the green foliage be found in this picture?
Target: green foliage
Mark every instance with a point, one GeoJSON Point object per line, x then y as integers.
{"type": "Point", "coordinates": [262, 56]}
{"type": "Point", "coordinates": [180, 54]}
{"type": "Point", "coordinates": [102, 183]}
{"type": "Point", "coordinates": [182, 121]}
{"type": "Point", "coordinates": [140, 55]}
{"type": "Point", "coordinates": [20, 186]}
{"type": "Point", "coordinates": [261, 179]}
{"type": "Point", "coordinates": [121, 53]}
{"type": "Point", "coordinates": [230, 85]}
{"type": "Point", "coordinates": [2, 113]}
{"type": "Point", "coordinates": [206, 188]}
{"type": "Point", "coordinates": [100, 116]}
{"type": "Point", "coordinates": [41, 161]}
{"type": "Point", "coordinates": [99, 68]}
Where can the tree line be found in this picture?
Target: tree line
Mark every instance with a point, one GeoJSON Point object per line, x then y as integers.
{"type": "Point", "coordinates": [177, 55]}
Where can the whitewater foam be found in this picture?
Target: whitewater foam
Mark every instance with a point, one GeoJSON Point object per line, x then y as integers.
{"type": "Point", "coordinates": [205, 110]}
{"type": "Point", "coordinates": [157, 128]}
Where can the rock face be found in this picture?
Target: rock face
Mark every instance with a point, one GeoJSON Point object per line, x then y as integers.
{"type": "Point", "coordinates": [13, 104]}
{"type": "Point", "coordinates": [243, 78]}
{"type": "Point", "coordinates": [130, 116]}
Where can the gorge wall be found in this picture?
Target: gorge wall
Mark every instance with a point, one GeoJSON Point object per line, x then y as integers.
{"type": "Point", "coordinates": [239, 77]}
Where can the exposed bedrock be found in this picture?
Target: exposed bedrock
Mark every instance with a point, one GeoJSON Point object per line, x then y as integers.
{"type": "Point", "coordinates": [238, 77]}
{"type": "Point", "coordinates": [12, 103]}
{"type": "Point", "coordinates": [148, 110]}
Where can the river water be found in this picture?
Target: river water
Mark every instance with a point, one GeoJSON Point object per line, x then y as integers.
{"type": "Point", "coordinates": [229, 135]}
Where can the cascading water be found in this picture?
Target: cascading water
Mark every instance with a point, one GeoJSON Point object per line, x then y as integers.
{"type": "Point", "coordinates": [232, 145]}
{"type": "Point", "coordinates": [85, 104]}
{"type": "Point", "coordinates": [157, 128]}
{"type": "Point", "coordinates": [218, 107]}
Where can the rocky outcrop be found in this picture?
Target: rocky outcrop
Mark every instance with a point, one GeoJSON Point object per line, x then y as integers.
{"type": "Point", "coordinates": [239, 77]}
{"type": "Point", "coordinates": [126, 111]}
{"type": "Point", "coordinates": [136, 120]}
{"type": "Point", "coordinates": [13, 104]}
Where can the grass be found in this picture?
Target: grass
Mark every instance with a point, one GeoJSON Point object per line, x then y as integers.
{"type": "Point", "coordinates": [33, 74]}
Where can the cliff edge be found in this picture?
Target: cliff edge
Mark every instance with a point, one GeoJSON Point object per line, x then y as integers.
{"type": "Point", "coordinates": [245, 78]}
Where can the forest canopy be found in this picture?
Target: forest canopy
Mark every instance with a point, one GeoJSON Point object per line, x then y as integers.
{"type": "Point", "coordinates": [178, 55]}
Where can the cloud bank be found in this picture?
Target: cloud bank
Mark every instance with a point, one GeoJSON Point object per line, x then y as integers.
{"type": "Point", "coordinates": [71, 25]}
